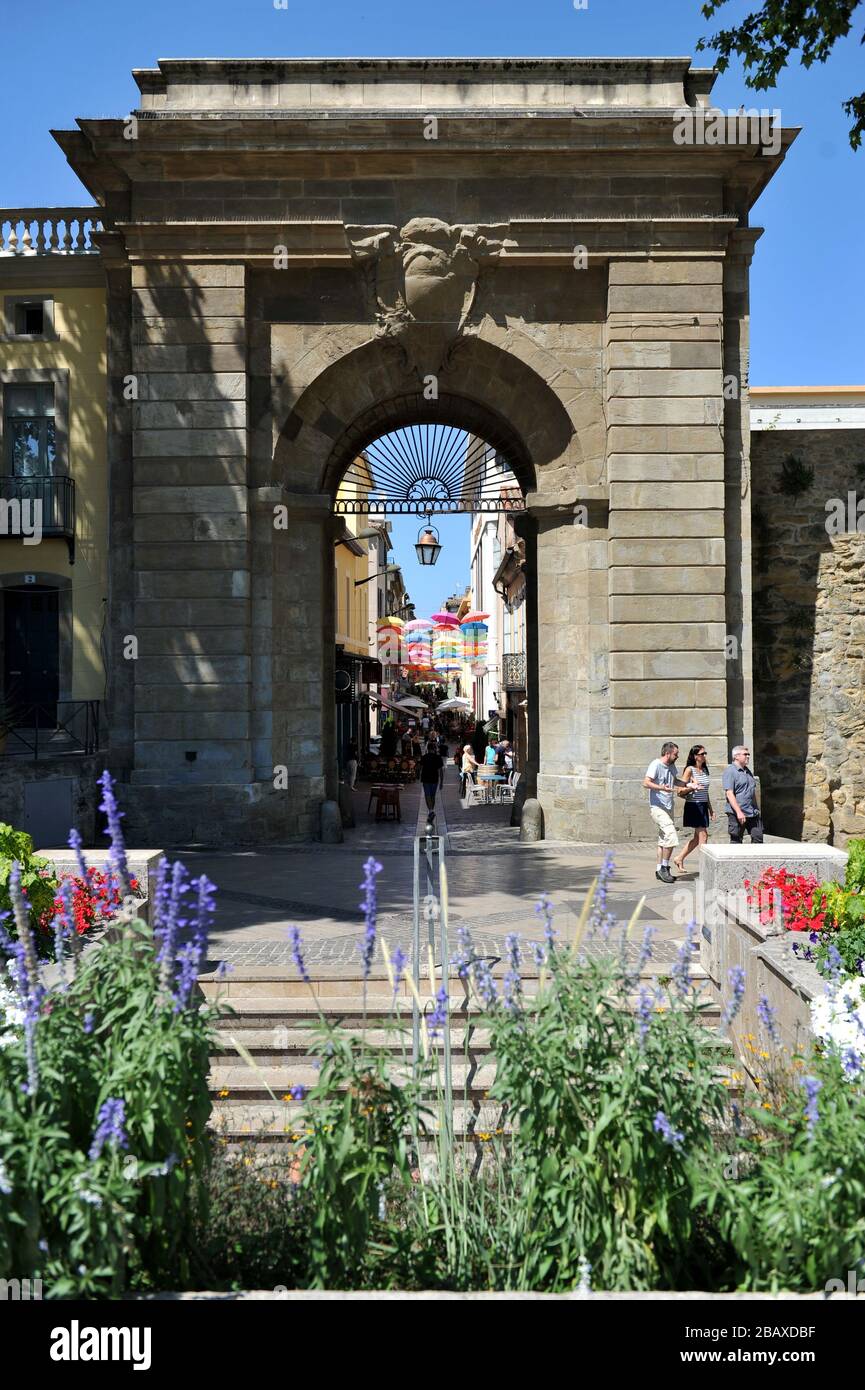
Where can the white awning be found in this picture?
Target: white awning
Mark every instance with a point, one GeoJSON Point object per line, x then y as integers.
{"type": "Point", "coordinates": [385, 704]}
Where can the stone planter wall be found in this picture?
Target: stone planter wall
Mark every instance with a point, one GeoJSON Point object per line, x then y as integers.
{"type": "Point", "coordinates": [142, 866]}
{"type": "Point", "coordinates": [732, 935]}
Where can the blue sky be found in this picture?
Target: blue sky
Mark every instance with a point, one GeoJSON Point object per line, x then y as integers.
{"type": "Point", "coordinates": [807, 282]}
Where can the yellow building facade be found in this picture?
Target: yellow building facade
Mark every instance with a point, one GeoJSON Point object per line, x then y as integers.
{"type": "Point", "coordinates": [54, 491]}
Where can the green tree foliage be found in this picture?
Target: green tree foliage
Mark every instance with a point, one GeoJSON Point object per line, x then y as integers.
{"type": "Point", "coordinates": [766, 39]}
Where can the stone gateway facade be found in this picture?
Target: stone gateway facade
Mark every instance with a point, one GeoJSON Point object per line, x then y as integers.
{"type": "Point", "coordinates": [293, 249]}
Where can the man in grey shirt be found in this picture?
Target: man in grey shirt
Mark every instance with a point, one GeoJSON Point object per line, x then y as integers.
{"type": "Point", "coordinates": [740, 792]}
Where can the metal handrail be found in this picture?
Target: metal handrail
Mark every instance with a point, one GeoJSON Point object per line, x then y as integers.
{"type": "Point", "coordinates": [430, 903]}
{"type": "Point", "coordinates": [27, 724]}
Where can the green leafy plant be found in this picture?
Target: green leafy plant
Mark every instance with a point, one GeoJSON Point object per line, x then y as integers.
{"type": "Point", "coordinates": [791, 1201]}
{"type": "Point", "coordinates": [97, 1225]}
{"type": "Point", "coordinates": [37, 880]}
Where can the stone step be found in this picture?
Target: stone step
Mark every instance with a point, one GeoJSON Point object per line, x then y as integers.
{"type": "Point", "coordinates": [278, 1012]}
{"type": "Point", "coordinates": [242, 1082]}
{"type": "Point", "coordinates": [297, 1041]}
{"type": "Point", "coordinates": [266, 982]}
{"type": "Point", "coordinates": [476, 1119]}
{"type": "Point", "coordinates": [263, 1123]}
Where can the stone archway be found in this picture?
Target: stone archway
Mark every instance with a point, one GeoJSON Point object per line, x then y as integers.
{"type": "Point", "coordinates": [279, 264]}
{"type": "Point", "coordinates": [499, 396]}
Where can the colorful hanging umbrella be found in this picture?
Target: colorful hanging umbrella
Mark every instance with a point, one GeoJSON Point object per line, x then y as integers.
{"type": "Point", "coordinates": [473, 618]}
{"type": "Point", "coordinates": [446, 620]}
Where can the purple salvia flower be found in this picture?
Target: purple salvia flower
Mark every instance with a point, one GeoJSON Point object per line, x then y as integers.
{"type": "Point", "coordinates": [75, 844]}
{"type": "Point", "coordinates": [169, 929]}
{"type": "Point", "coordinates": [161, 894]}
{"type": "Point", "coordinates": [296, 940]}
{"type": "Point", "coordinates": [110, 1128]}
{"type": "Point", "coordinates": [512, 946]}
{"type": "Point", "coordinates": [88, 1022]}
{"type": "Point", "coordinates": [736, 976]}
{"type": "Point", "coordinates": [117, 852]}
{"type": "Point", "coordinates": [205, 909]}
{"type": "Point", "coordinates": [601, 919]}
{"type": "Point", "coordinates": [645, 955]}
{"type": "Point", "coordinates": [851, 1062]}
{"type": "Point", "coordinates": [437, 1020]}
{"type": "Point", "coordinates": [64, 925]}
{"type": "Point", "coordinates": [27, 975]}
{"type": "Point", "coordinates": [539, 954]}
{"type": "Point", "coordinates": [223, 970]}
{"type": "Point", "coordinates": [398, 962]}
{"type": "Point", "coordinates": [369, 908]}
{"type": "Point", "coordinates": [484, 983]}
{"type": "Point", "coordinates": [662, 1126]}
{"type": "Point", "coordinates": [644, 1015]}
{"type": "Point", "coordinates": [812, 1090]}
{"type": "Point", "coordinates": [544, 908]}
{"type": "Point", "coordinates": [462, 961]}
{"type": "Point", "coordinates": [187, 973]}
{"type": "Point", "coordinates": [834, 962]}
{"type": "Point", "coordinates": [512, 991]}
{"type": "Point", "coordinates": [681, 971]}
{"type": "Point", "coordinates": [767, 1017]}
{"type": "Point", "coordinates": [298, 1092]}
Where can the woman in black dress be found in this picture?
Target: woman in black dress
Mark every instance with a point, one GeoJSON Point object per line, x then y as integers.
{"type": "Point", "coordinates": [698, 807]}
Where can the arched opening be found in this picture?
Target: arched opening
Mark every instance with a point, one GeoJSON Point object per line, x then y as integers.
{"type": "Point", "coordinates": [455, 464]}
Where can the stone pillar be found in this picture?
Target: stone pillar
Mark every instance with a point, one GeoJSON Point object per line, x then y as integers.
{"type": "Point", "coordinates": [666, 548]}
{"type": "Point", "coordinates": [738, 489]}
{"type": "Point", "coordinates": [570, 711]}
{"type": "Point", "coordinates": [191, 551]}
{"type": "Point", "coordinates": [120, 673]}
{"type": "Point", "coordinates": [303, 657]}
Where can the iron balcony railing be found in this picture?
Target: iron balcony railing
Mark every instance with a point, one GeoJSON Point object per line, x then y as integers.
{"type": "Point", "coordinates": [52, 730]}
{"type": "Point", "coordinates": [33, 507]}
{"type": "Point", "coordinates": [514, 670]}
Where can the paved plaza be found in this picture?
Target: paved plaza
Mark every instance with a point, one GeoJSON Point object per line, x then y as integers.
{"type": "Point", "coordinates": [494, 884]}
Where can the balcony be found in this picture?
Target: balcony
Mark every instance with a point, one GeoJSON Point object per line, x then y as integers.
{"type": "Point", "coordinates": [49, 231]}
{"type": "Point", "coordinates": [514, 671]}
{"type": "Point", "coordinates": [38, 507]}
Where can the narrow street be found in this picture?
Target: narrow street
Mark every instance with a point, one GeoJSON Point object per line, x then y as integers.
{"type": "Point", "coordinates": [494, 884]}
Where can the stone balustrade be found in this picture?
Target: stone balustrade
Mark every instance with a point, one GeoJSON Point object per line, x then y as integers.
{"type": "Point", "coordinates": [49, 231]}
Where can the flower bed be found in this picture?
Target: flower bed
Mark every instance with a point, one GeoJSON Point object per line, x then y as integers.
{"type": "Point", "coordinates": [633, 1160]}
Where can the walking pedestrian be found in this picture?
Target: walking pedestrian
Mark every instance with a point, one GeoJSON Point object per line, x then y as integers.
{"type": "Point", "coordinates": [698, 810]}
{"type": "Point", "coordinates": [351, 764]}
{"type": "Point", "coordinates": [740, 791]}
{"type": "Point", "coordinates": [432, 776]}
{"type": "Point", "coordinates": [469, 770]}
{"type": "Point", "coordinates": [662, 777]}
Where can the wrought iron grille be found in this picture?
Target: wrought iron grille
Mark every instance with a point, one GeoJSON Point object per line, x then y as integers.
{"type": "Point", "coordinates": [43, 501]}
{"type": "Point", "coordinates": [429, 469]}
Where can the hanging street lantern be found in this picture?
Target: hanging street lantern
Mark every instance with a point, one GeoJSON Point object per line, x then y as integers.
{"type": "Point", "coordinates": [428, 546]}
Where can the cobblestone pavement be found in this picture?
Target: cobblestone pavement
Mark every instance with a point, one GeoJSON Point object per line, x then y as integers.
{"type": "Point", "coordinates": [494, 883]}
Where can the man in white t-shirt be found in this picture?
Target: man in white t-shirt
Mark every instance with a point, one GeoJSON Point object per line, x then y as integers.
{"type": "Point", "coordinates": [662, 776]}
